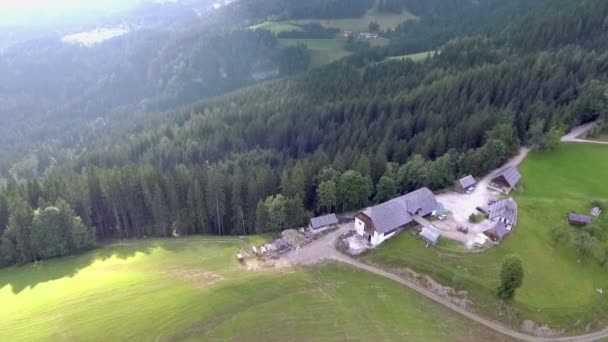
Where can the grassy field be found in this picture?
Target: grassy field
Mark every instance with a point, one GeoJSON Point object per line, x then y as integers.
{"type": "Point", "coordinates": [385, 20]}
{"type": "Point", "coordinates": [194, 289]}
{"type": "Point", "coordinates": [416, 57]}
{"type": "Point", "coordinates": [276, 27]}
{"type": "Point", "coordinates": [325, 51]}
{"type": "Point", "coordinates": [558, 289]}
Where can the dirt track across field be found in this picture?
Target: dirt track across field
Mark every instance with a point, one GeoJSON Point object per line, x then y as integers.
{"type": "Point", "coordinates": [324, 250]}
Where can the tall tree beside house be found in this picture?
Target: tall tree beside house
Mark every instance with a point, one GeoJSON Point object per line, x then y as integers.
{"type": "Point", "coordinates": [413, 174]}
{"type": "Point", "coordinates": [262, 218]}
{"type": "Point", "coordinates": [511, 277]}
{"type": "Point", "coordinates": [327, 196]}
{"type": "Point", "coordinates": [354, 190]}
{"type": "Point", "coordinates": [386, 189]}
{"type": "Point", "coordinates": [295, 213]}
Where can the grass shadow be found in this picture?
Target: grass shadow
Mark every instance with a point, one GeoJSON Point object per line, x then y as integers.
{"type": "Point", "coordinates": [30, 275]}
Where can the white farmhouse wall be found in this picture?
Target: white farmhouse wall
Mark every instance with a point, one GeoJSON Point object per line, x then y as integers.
{"type": "Point", "coordinates": [359, 227]}
{"type": "Point", "coordinates": [380, 238]}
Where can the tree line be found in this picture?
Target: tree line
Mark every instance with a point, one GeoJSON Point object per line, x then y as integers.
{"type": "Point", "coordinates": [337, 138]}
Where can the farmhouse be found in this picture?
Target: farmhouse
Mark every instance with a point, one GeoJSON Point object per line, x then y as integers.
{"type": "Point", "coordinates": [322, 223]}
{"type": "Point", "coordinates": [503, 217]}
{"type": "Point", "coordinates": [579, 220]}
{"type": "Point", "coordinates": [466, 183]}
{"type": "Point", "coordinates": [383, 221]}
{"type": "Point", "coordinates": [368, 35]}
{"type": "Point", "coordinates": [505, 180]}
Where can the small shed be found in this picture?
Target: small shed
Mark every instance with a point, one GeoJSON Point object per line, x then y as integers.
{"type": "Point", "coordinates": [466, 183]}
{"type": "Point", "coordinates": [579, 220]}
{"type": "Point", "coordinates": [321, 223]}
{"type": "Point", "coordinates": [430, 235]}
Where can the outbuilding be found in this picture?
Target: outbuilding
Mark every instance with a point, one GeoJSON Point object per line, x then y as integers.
{"type": "Point", "coordinates": [466, 184]}
{"type": "Point", "coordinates": [505, 180]}
{"type": "Point", "coordinates": [323, 223]}
{"type": "Point", "coordinates": [579, 220]}
{"type": "Point", "coordinates": [430, 235]}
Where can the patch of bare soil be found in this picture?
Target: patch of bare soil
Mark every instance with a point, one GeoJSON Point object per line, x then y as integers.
{"type": "Point", "coordinates": [199, 278]}
{"type": "Point", "coordinates": [254, 264]}
{"type": "Point", "coordinates": [539, 330]}
{"type": "Point", "coordinates": [456, 297]}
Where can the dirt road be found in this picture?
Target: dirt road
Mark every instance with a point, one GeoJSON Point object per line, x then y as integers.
{"type": "Point", "coordinates": [324, 250]}
{"type": "Point", "coordinates": [575, 133]}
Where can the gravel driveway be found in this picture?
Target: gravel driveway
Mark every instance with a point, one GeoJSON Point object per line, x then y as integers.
{"type": "Point", "coordinates": [462, 205]}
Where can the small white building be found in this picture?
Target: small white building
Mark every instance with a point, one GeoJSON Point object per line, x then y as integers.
{"type": "Point", "coordinates": [383, 221]}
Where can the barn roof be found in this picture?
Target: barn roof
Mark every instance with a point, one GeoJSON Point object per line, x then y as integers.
{"type": "Point", "coordinates": [398, 212]}
{"type": "Point", "coordinates": [505, 209]}
{"type": "Point", "coordinates": [577, 218]}
{"type": "Point", "coordinates": [467, 182]}
{"type": "Point", "coordinates": [323, 221]}
{"type": "Point", "coordinates": [510, 174]}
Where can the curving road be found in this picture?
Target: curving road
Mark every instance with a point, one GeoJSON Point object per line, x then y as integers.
{"type": "Point", "coordinates": [324, 249]}
{"type": "Point", "coordinates": [575, 133]}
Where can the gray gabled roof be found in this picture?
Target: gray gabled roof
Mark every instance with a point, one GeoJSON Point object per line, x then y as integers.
{"type": "Point", "coordinates": [398, 212]}
{"type": "Point", "coordinates": [499, 228]}
{"type": "Point", "coordinates": [505, 209]}
{"type": "Point", "coordinates": [511, 175]}
{"type": "Point", "coordinates": [430, 235]}
{"type": "Point", "coordinates": [578, 218]}
{"type": "Point", "coordinates": [323, 221]}
{"type": "Point", "coordinates": [467, 182]}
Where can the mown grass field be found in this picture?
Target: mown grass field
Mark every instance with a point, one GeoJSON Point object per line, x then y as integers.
{"type": "Point", "coordinates": [276, 27]}
{"type": "Point", "coordinates": [416, 57]}
{"type": "Point", "coordinates": [385, 20]}
{"type": "Point", "coordinates": [325, 51]}
{"type": "Point", "coordinates": [194, 289]}
{"type": "Point", "coordinates": [558, 289]}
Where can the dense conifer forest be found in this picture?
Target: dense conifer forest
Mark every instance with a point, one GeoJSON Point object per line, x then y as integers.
{"type": "Point", "coordinates": [336, 138]}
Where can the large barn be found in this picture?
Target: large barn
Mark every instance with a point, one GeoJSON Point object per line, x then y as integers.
{"type": "Point", "coordinates": [505, 180]}
{"type": "Point", "coordinates": [383, 221]}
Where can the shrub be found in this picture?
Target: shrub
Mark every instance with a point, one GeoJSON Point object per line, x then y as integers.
{"type": "Point", "coordinates": [511, 277]}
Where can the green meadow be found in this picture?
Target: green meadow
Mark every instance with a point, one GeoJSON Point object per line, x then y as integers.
{"type": "Point", "coordinates": [385, 20]}
{"type": "Point", "coordinates": [194, 289]}
{"type": "Point", "coordinates": [276, 27]}
{"type": "Point", "coordinates": [416, 57]}
{"type": "Point", "coordinates": [559, 288]}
